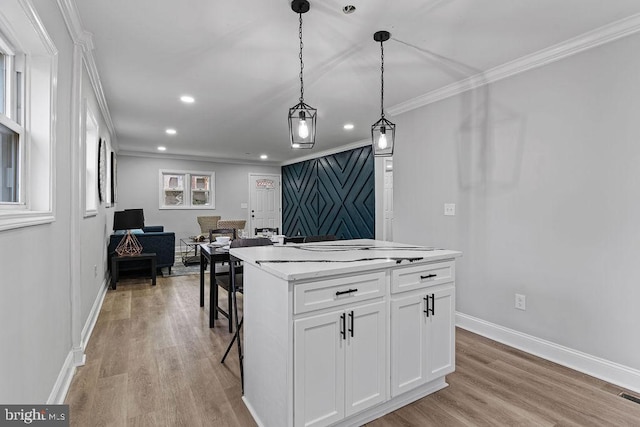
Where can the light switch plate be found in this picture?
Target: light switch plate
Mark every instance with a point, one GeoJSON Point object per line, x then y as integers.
{"type": "Point", "coordinates": [449, 209]}
{"type": "Point", "coordinates": [243, 206]}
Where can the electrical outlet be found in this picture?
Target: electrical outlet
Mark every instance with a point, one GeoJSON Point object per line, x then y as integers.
{"type": "Point", "coordinates": [521, 302]}
{"type": "Point", "coordinates": [449, 209]}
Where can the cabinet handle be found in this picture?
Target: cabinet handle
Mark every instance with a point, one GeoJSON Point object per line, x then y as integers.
{"type": "Point", "coordinates": [428, 276]}
{"type": "Point", "coordinates": [343, 328]}
{"type": "Point", "coordinates": [351, 321]}
{"type": "Point", "coordinates": [428, 309]}
{"type": "Point", "coordinates": [349, 291]}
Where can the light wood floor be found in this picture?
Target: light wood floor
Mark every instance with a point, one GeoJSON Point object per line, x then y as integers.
{"type": "Point", "coordinates": [153, 361]}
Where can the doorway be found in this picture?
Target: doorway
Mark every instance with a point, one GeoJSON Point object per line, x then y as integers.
{"type": "Point", "coordinates": [265, 202]}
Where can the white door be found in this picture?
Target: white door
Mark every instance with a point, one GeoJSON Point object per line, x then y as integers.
{"type": "Point", "coordinates": [387, 231]}
{"type": "Point", "coordinates": [264, 202]}
{"type": "Point", "coordinates": [366, 364]}
{"type": "Point", "coordinates": [408, 322]}
{"type": "Point", "coordinates": [318, 360]}
{"type": "Point", "coordinates": [440, 334]}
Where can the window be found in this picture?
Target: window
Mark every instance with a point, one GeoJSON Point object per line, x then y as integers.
{"type": "Point", "coordinates": [187, 190]}
{"type": "Point", "coordinates": [91, 147]}
{"type": "Point", "coordinates": [11, 133]}
{"type": "Point", "coordinates": [28, 66]}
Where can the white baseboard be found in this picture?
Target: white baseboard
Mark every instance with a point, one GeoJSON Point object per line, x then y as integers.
{"type": "Point", "coordinates": [603, 369]}
{"type": "Point", "coordinates": [76, 356]}
{"type": "Point", "coordinates": [60, 388]}
{"type": "Point", "coordinates": [87, 330]}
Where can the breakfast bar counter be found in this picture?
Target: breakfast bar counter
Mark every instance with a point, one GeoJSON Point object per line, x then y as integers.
{"type": "Point", "coordinates": [343, 332]}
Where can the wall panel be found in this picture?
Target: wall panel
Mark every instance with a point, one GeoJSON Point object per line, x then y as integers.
{"type": "Point", "coordinates": [333, 194]}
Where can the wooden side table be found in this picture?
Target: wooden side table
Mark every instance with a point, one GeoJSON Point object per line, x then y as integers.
{"type": "Point", "coordinates": [116, 260]}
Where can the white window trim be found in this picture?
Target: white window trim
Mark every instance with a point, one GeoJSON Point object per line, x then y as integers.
{"type": "Point", "coordinates": [22, 26]}
{"type": "Point", "coordinates": [90, 121]}
{"type": "Point", "coordinates": [187, 188]}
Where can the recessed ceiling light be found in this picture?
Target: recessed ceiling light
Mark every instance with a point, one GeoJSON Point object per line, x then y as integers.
{"type": "Point", "coordinates": [187, 99]}
{"type": "Point", "coordinates": [171, 131]}
{"type": "Point", "coordinates": [161, 148]}
{"type": "Point", "coordinates": [348, 126]}
{"type": "Point", "coordinates": [264, 156]}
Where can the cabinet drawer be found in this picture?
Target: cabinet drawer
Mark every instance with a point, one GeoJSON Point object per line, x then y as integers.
{"type": "Point", "coordinates": [422, 276]}
{"type": "Point", "coordinates": [333, 292]}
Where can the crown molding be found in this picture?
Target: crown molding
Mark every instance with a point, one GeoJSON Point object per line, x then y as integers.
{"type": "Point", "coordinates": [194, 157]}
{"type": "Point", "coordinates": [599, 36]}
{"type": "Point", "coordinates": [84, 38]}
{"type": "Point", "coordinates": [328, 152]}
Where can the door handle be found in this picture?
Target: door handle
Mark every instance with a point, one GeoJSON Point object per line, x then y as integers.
{"type": "Point", "coordinates": [343, 328]}
{"type": "Point", "coordinates": [351, 321]}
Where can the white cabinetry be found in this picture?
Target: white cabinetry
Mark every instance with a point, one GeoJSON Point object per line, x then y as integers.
{"type": "Point", "coordinates": [339, 363]}
{"type": "Point", "coordinates": [422, 327]}
{"type": "Point", "coordinates": [341, 341]}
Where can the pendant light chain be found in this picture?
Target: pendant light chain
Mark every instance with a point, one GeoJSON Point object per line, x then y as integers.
{"type": "Point", "coordinates": [301, 63]}
{"type": "Point", "coordinates": [382, 79]}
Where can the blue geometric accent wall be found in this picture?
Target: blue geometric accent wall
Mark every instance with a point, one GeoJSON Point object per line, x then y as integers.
{"type": "Point", "coordinates": [330, 195]}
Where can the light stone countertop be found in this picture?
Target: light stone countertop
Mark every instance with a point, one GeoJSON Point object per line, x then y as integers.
{"type": "Point", "coordinates": [315, 260]}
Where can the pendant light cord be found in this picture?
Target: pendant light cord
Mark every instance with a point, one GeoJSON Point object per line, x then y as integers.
{"type": "Point", "coordinates": [301, 63]}
{"type": "Point", "coordinates": [381, 79]}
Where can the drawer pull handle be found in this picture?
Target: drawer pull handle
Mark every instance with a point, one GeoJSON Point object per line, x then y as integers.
{"type": "Point", "coordinates": [349, 291]}
{"type": "Point", "coordinates": [428, 276]}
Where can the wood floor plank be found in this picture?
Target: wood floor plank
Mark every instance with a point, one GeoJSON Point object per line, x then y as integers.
{"type": "Point", "coordinates": [152, 360]}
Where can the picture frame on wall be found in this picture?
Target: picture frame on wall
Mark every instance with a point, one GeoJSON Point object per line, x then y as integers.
{"type": "Point", "coordinates": [114, 180]}
{"type": "Point", "coordinates": [102, 170]}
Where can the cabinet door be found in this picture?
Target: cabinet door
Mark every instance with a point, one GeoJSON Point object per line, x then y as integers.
{"type": "Point", "coordinates": [440, 334]}
{"type": "Point", "coordinates": [366, 361]}
{"type": "Point", "coordinates": [408, 323]}
{"type": "Point", "coordinates": [319, 350]}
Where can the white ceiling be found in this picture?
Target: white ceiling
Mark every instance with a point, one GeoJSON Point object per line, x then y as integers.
{"type": "Point", "coordinates": [239, 59]}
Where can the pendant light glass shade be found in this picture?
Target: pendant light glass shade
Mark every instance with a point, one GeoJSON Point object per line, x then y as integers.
{"type": "Point", "coordinates": [383, 132]}
{"type": "Point", "coordinates": [302, 126]}
{"type": "Point", "coordinates": [302, 117]}
{"type": "Point", "coordinates": [383, 135]}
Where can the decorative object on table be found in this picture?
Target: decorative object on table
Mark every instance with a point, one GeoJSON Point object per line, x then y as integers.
{"type": "Point", "coordinates": [222, 232]}
{"type": "Point", "coordinates": [128, 220]}
{"type": "Point", "coordinates": [102, 170]}
{"type": "Point", "coordinates": [302, 117]}
{"type": "Point", "coordinates": [223, 240]}
{"type": "Point", "coordinates": [383, 132]}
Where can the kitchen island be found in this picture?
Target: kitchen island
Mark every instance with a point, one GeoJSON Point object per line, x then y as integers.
{"type": "Point", "coordinates": [341, 333]}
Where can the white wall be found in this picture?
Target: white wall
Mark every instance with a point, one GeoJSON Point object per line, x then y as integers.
{"type": "Point", "coordinates": [37, 262]}
{"type": "Point", "coordinates": [546, 193]}
{"type": "Point", "coordinates": [138, 188]}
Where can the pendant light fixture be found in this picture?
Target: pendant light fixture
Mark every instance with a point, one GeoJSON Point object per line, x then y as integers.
{"type": "Point", "coordinates": [302, 117]}
{"type": "Point", "coordinates": [383, 132]}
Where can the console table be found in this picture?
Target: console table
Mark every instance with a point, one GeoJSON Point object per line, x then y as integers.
{"type": "Point", "coordinates": [116, 260]}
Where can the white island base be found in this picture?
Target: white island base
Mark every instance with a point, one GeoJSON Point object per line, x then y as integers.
{"type": "Point", "coordinates": [343, 343]}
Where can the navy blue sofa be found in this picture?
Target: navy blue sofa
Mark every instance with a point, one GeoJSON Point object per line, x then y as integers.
{"type": "Point", "coordinates": [153, 239]}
